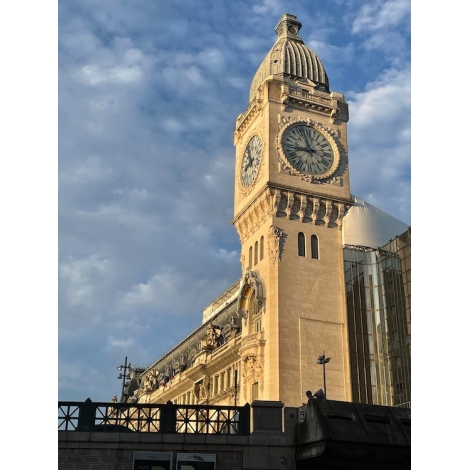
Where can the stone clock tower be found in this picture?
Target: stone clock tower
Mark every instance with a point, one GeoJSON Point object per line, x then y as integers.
{"type": "Point", "coordinates": [291, 193]}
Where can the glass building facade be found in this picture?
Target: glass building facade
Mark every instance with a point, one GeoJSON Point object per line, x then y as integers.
{"type": "Point", "coordinates": [378, 295]}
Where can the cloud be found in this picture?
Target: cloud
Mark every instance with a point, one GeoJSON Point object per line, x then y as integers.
{"type": "Point", "coordinates": [379, 140]}
{"type": "Point", "coordinates": [381, 14]}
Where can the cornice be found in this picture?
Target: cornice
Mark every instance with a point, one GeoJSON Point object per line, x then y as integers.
{"type": "Point", "coordinates": [331, 106]}
{"type": "Point", "coordinates": [285, 202]}
{"type": "Point", "coordinates": [247, 117]}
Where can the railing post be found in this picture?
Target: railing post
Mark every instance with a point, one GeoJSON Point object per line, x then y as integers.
{"type": "Point", "coordinates": [244, 420]}
{"type": "Point", "coordinates": [168, 417]}
{"type": "Point", "coordinates": [86, 416]}
{"type": "Point", "coordinates": [267, 417]}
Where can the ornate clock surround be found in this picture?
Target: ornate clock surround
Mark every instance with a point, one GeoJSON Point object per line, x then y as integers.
{"type": "Point", "coordinates": [330, 135]}
{"type": "Point", "coordinates": [256, 133]}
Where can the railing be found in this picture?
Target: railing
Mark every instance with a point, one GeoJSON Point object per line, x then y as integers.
{"type": "Point", "coordinates": [143, 417]}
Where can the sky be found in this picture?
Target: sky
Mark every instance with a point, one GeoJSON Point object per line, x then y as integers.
{"type": "Point", "coordinates": [148, 95]}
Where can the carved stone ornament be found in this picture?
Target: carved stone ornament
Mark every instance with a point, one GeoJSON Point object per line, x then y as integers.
{"type": "Point", "coordinates": [204, 392]}
{"type": "Point", "coordinates": [274, 244]}
{"type": "Point", "coordinates": [244, 120]}
{"type": "Point", "coordinates": [242, 261]}
{"type": "Point", "coordinates": [150, 381]}
{"type": "Point", "coordinates": [252, 370]}
{"type": "Point", "coordinates": [250, 282]}
{"type": "Point", "coordinates": [294, 205]}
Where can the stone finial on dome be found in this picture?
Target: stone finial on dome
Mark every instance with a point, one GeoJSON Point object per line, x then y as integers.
{"type": "Point", "coordinates": [288, 27]}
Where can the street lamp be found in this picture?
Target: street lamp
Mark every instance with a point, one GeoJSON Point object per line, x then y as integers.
{"type": "Point", "coordinates": [124, 376]}
{"type": "Point", "coordinates": [323, 360]}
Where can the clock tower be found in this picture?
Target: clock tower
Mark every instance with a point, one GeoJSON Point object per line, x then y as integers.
{"type": "Point", "coordinates": [291, 194]}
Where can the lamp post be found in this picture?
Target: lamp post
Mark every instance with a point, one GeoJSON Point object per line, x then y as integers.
{"type": "Point", "coordinates": [323, 360]}
{"type": "Point", "coordinates": [235, 387]}
{"type": "Point", "coordinates": [124, 376]}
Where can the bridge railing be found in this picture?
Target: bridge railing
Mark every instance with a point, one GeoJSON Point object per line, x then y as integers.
{"type": "Point", "coordinates": [145, 417]}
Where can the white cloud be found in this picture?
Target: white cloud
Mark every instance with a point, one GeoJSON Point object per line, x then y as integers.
{"type": "Point", "coordinates": [386, 99]}
{"type": "Point", "coordinates": [379, 143]}
{"type": "Point", "coordinates": [269, 7]}
{"type": "Point", "coordinates": [80, 278]}
{"type": "Point", "coordinates": [95, 75]}
{"type": "Point", "coordinates": [124, 344]}
{"type": "Point", "coordinates": [173, 126]}
{"type": "Point", "coordinates": [211, 58]}
{"type": "Point", "coordinates": [380, 14]}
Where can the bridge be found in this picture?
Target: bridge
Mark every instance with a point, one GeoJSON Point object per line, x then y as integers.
{"type": "Point", "coordinates": [326, 434]}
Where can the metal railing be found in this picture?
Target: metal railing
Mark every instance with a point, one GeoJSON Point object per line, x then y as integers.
{"type": "Point", "coordinates": [144, 417]}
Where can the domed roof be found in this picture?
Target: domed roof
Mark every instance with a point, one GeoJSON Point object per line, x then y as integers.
{"type": "Point", "coordinates": [290, 56]}
{"type": "Point", "coordinates": [366, 225]}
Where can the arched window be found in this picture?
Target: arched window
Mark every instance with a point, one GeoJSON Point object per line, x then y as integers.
{"type": "Point", "coordinates": [314, 246]}
{"type": "Point", "coordinates": [254, 313]}
{"type": "Point", "coordinates": [250, 257]}
{"type": "Point", "coordinates": [256, 253]}
{"type": "Point", "coordinates": [301, 239]}
{"type": "Point", "coordinates": [261, 248]}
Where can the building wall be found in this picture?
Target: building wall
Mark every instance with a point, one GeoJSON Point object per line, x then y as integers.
{"type": "Point", "coordinates": [378, 286]}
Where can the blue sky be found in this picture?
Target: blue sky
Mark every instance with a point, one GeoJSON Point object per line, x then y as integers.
{"type": "Point", "coordinates": [148, 94]}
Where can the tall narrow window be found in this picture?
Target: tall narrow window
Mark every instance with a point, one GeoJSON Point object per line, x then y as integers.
{"type": "Point", "coordinates": [301, 244]}
{"type": "Point", "coordinates": [314, 246]}
{"type": "Point", "coordinates": [250, 257]}
{"type": "Point", "coordinates": [261, 248]}
{"type": "Point", "coordinates": [256, 253]}
{"type": "Point", "coordinates": [254, 391]}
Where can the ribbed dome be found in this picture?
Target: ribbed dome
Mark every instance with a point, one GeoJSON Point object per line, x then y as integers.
{"type": "Point", "coordinates": [290, 56]}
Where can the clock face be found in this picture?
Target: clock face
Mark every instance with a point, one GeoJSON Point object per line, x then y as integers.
{"type": "Point", "coordinates": [251, 162]}
{"type": "Point", "coordinates": [308, 150]}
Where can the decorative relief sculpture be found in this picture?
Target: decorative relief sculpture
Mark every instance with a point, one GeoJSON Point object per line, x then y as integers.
{"type": "Point", "coordinates": [316, 207]}
{"type": "Point", "coordinates": [211, 339]}
{"type": "Point", "coordinates": [276, 200]}
{"type": "Point", "coordinates": [197, 391]}
{"type": "Point", "coordinates": [274, 244]}
{"type": "Point", "coordinates": [204, 389]}
{"type": "Point", "coordinates": [333, 114]}
{"type": "Point", "coordinates": [150, 382]}
{"type": "Point", "coordinates": [303, 205]}
{"type": "Point", "coordinates": [290, 204]}
{"type": "Point", "coordinates": [329, 208]}
{"type": "Point", "coordinates": [252, 370]}
{"type": "Point", "coordinates": [341, 212]}
{"type": "Point", "coordinates": [250, 283]}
